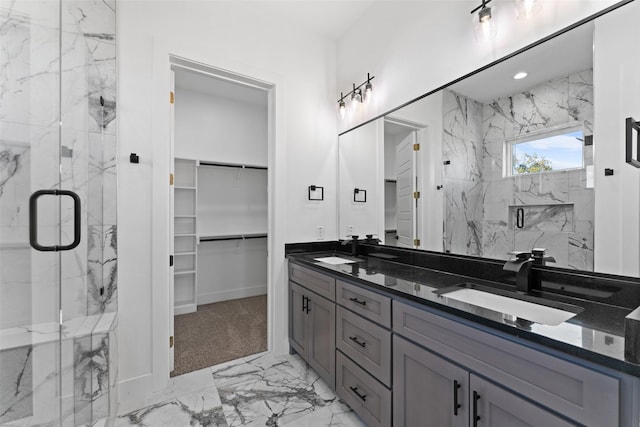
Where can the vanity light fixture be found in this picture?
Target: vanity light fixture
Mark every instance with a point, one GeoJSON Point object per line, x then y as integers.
{"type": "Point", "coordinates": [520, 75]}
{"type": "Point", "coordinates": [525, 9]}
{"type": "Point", "coordinates": [484, 23]}
{"type": "Point", "coordinates": [357, 94]}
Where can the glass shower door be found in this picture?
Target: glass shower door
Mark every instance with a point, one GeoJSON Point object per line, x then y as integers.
{"type": "Point", "coordinates": [57, 212]}
{"type": "Point", "coordinates": [30, 329]}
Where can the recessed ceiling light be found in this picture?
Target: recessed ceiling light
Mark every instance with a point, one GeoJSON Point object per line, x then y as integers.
{"type": "Point", "coordinates": [520, 75]}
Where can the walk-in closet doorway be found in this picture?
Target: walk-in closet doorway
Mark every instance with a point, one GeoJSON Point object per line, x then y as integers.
{"type": "Point", "coordinates": [218, 218]}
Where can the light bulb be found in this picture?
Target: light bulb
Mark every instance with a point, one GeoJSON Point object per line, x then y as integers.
{"type": "Point", "coordinates": [342, 108]}
{"type": "Point", "coordinates": [520, 75]}
{"type": "Point", "coordinates": [525, 9]}
{"type": "Point", "coordinates": [485, 25]}
{"type": "Point", "coordinates": [368, 91]}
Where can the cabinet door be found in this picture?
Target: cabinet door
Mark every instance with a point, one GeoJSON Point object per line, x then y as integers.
{"type": "Point", "coordinates": [322, 337]}
{"type": "Point", "coordinates": [298, 327]}
{"type": "Point", "coordinates": [427, 389]}
{"type": "Point", "coordinates": [493, 406]}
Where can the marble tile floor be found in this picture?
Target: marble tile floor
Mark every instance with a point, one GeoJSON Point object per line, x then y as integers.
{"type": "Point", "coordinates": [258, 390]}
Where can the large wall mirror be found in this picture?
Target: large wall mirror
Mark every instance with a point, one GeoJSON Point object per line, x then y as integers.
{"type": "Point", "coordinates": [502, 161]}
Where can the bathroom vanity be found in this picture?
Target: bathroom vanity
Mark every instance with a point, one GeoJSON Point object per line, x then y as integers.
{"type": "Point", "coordinates": [379, 328]}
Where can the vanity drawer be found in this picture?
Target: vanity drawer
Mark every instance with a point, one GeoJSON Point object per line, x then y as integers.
{"type": "Point", "coordinates": [367, 304]}
{"type": "Point", "coordinates": [314, 281]}
{"type": "Point", "coordinates": [366, 396]}
{"type": "Point", "coordinates": [366, 343]}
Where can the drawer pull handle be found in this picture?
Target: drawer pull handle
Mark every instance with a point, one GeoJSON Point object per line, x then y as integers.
{"type": "Point", "coordinates": [357, 341]}
{"type": "Point", "coordinates": [361, 396]}
{"type": "Point", "coordinates": [476, 417]}
{"type": "Point", "coordinates": [357, 301]}
{"type": "Point", "coordinates": [456, 405]}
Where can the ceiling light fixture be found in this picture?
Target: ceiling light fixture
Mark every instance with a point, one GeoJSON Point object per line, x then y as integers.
{"type": "Point", "coordinates": [357, 95]}
{"type": "Point", "coordinates": [484, 23]}
{"type": "Point", "coordinates": [520, 75]}
{"type": "Point", "coordinates": [525, 9]}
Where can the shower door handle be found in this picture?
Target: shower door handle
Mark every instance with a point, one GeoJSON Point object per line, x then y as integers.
{"type": "Point", "coordinates": [33, 220]}
{"type": "Point", "coordinates": [631, 126]}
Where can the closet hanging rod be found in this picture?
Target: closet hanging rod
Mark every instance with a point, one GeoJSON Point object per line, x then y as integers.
{"type": "Point", "coordinates": [233, 165]}
{"type": "Point", "coordinates": [238, 237]}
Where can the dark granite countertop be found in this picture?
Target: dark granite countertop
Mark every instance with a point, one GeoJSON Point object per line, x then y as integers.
{"type": "Point", "coordinates": [595, 334]}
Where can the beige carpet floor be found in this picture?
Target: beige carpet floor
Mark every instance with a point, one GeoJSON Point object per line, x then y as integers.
{"type": "Point", "coordinates": [220, 332]}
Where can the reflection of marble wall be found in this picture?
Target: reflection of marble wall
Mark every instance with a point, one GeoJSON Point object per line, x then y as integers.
{"type": "Point", "coordinates": [565, 100]}
{"type": "Point", "coordinates": [463, 176]}
{"type": "Point", "coordinates": [56, 105]}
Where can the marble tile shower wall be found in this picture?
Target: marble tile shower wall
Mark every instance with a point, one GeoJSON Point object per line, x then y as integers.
{"type": "Point", "coordinates": [463, 177]}
{"type": "Point", "coordinates": [559, 208]}
{"type": "Point", "coordinates": [58, 128]}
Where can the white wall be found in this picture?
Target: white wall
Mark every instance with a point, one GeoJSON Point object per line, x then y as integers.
{"type": "Point", "coordinates": [616, 97]}
{"type": "Point", "coordinates": [220, 129]}
{"type": "Point", "coordinates": [223, 35]}
{"type": "Point", "coordinates": [420, 46]}
{"type": "Point", "coordinates": [361, 164]}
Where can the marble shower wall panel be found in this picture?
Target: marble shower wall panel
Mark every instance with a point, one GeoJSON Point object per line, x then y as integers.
{"type": "Point", "coordinates": [580, 100]}
{"type": "Point", "coordinates": [91, 378]}
{"type": "Point", "coordinates": [30, 62]}
{"type": "Point", "coordinates": [463, 149]}
{"type": "Point", "coordinates": [16, 383]}
{"type": "Point", "coordinates": [88, 65]}
{"type": "Point", "coordinates": [102, 274]}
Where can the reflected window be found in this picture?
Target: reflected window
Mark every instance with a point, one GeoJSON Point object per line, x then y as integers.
{"type": "Point", "coordinates": [546, 152]}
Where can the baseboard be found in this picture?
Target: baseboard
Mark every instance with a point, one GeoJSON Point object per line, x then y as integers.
{"type": "Point", "coordinates": [133, 393]}
{"type": "Point", "coordinates": [219, 296]}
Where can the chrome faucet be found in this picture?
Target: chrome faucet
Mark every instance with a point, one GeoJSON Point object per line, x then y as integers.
{"type": "Point", "coordinates": [527, 280]}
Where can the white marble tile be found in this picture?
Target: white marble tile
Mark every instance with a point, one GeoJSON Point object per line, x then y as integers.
{"type": "Point", "coordinates": [492, 160]}
{"type": "Point", "coordinates": [29, 54]}
{"type": "Point", "coordinates": [498, 196]}
{"type": "Point", "coordinates": [581, 251]}
{"type": "Point", "coordinates": [498, 120]}
{"type": "Point", "coordinates": [200, 408]}
{"type": "Point", "coordinates": [556, 244]}
{"type": "Point", "coordinates": [541, 188]}
{"type": "Point", "coordinates": [335, 415]}
{"type": "Point", "coordinates": [267, 390]}
{"type": "Point", "coordinates": [580, 97]}
{"type": "Point", "coordinates": [16, 400]}
{"type": "Point", "coordinates": [541, 107]}
{"type": "Point", "coordinates": [465, 159]}
{"type": "Point", "coordinates": [497, 240]}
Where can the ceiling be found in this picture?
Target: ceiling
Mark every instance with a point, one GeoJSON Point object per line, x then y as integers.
{"type": "Point", "coordinates": [563, 55]}
{"type": "Point", "coordinates": [328, 18]}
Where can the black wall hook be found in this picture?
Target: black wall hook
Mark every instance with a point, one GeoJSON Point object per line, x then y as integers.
{"type": "Point", "coordinates": [133, 158]}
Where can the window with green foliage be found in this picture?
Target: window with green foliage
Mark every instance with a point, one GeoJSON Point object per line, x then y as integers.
{"type": "Point", "coordinates": [546, 152]}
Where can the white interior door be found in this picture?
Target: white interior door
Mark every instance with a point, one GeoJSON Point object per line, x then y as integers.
{"type": "Point", "coordinates": [171, 222]}
{"type": "Point", "coordinates": [405, 167]}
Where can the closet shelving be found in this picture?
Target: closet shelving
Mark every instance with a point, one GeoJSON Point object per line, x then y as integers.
{"type": "Point", "coordinates": [222, 204]}
{"type": "Point", "coordinates": [185, 236]}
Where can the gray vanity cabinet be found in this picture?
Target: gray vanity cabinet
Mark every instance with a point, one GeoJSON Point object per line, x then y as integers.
{"type": "Point", "coordinates": [427, 389]}
{"type": "Point", "coordinates": [312, 321]}
{"type": "Point", "coordinates": [431, 391]}
{"type": "Point", "coordinates": [493, 406]}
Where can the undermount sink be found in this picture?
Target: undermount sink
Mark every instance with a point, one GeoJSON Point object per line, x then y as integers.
{"type": "Point", "coordinates": [518, 306]}
{"type": "Point", "coordinates": [334, 260]}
